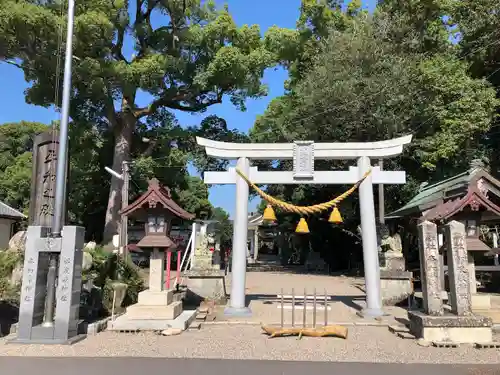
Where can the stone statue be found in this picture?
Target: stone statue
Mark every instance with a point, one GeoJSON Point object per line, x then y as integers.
{"type": "Point", "coordinates": [207, 251]}
{"type": "Point", "coordinates": [388, 243]}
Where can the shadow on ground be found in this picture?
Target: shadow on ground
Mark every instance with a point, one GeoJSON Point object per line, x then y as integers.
{"type": "Point", "coordinates": [8, 316]}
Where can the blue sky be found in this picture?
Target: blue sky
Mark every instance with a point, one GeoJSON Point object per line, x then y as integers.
{"type": "Point", "coordinates": [265, 13]}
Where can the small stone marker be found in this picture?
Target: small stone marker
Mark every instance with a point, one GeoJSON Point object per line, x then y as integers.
{"type": "Point", "coordinates": [458, 266]}
{"type": "Point", "coordinates": [430, 268]}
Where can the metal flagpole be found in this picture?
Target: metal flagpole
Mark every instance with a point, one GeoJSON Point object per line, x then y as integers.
{"type": "Point", "coordinates": [59, 206]}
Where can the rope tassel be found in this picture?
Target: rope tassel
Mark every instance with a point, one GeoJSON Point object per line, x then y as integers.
{"type": "Point", "coordinates": [269, 214]}
{"type": "Point", "coordinates": [335, 216]}
{"type": "Point", "coordinates": [302, 226]}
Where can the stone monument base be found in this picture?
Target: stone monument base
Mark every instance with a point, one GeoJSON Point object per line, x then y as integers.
{"type": "Point", "coordinates": [451, 328]}
{"type": "Point", "coordinates": [396, 286]}
{"type": "Point", "coordinates": [40, 334]}
{"type": "Point", "coordinates": [165, 312]}
{"type": "Point", "coordinates": [478, 301]}
{"type": "Point", "coordinates": [155, 310]}
{"type": "Point", "coordinates": [182, 322]}
{"type": "Point", "coordinates": [392, 261]}
{"type": "Point", "coordinates": [155, 298]}
{"type": "Point", "coordinates": [207, 284]}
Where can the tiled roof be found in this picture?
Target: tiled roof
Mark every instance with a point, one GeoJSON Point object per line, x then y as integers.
{"type": "Point", "coordinates": [7, 211]}
{"type": "Point", "coordinates": [434, 192]}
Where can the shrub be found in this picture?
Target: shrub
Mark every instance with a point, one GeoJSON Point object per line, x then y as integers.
{"type": "Point", "coordinates": [108, 268]}
{"type": "Point", "coordinates": [8, 261]}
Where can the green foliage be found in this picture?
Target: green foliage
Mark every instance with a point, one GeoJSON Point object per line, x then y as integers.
{"type": "Point", "coordinates": [378, 78]}
{"type": "Point", "coordinates": [194, 199]}
{"type": "Point", "coordinates": [89, 153]}
{"type": "Point", "coordinates": [224, 227]}
{"type": "Point", "coordinates": [108, 268]}
{"type": "Point", "coordinates": [8, 261]}
{"type": "Point", "coordinates": [192, 57]}
{"type": "Point", "coordinates": [418, 26]}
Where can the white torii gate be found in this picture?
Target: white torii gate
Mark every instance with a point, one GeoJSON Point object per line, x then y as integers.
{"type": "Point", "coordinates": [303, 154]}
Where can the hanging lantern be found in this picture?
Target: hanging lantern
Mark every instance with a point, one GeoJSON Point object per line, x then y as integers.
{"type": "Point", "coordinates": [302, 226]}
{"type": "Point", "coordinates": [335, 217]}
{"type": "Point", "coordinates": [269, 214]}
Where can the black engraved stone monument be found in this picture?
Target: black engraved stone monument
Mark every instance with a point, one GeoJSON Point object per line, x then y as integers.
{"type": "Point", "coordinates": [43, 178]}
{"type": "Point", "coordinates": [32, 328]}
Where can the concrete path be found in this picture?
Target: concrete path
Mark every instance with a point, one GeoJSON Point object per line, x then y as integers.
{"type": "Point", "coordinates": [133, 366]}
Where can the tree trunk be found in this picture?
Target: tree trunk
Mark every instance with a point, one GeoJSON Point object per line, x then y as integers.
{"type": "Point", "coordinates": [123, 131]}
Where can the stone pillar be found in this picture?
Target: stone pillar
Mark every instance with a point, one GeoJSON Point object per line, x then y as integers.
{"type": "Point", "coordinates": [496, 261]}
{"type": "Point", "coordinates": [430, 268]}
{"type": "Point", "coordinates": [458, 269]}
{"type": "Point", "coordinates": [69, 283]}
{"type": "Point", "coordinates": [369, 238]}
{"type": "Point", "coordinates": [252, 244]}
{"type": "Point", "coordinates": [472, 273]}
{"type": "Point", "coordinates": [156, 271]}
{"type": "Point", "coordinates": [237, 305]}
{"type": "Point", "coordinates": [256, 244]}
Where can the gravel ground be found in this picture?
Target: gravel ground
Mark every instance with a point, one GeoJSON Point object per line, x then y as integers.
{"type": "Point", "coordinates": [365, 344]}
{"type": "Point", "coordinates": [346, 298]}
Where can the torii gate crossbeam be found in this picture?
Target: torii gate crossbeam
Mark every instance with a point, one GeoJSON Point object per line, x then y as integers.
{"type": "Point", "coordinates": [303, 153]}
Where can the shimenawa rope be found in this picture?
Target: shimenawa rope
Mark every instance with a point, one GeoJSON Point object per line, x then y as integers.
{"type": "Point", "coordinates": [303, 209]}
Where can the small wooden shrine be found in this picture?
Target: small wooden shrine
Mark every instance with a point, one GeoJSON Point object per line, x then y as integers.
{"type": "Point", "coordinates": [471, 197]}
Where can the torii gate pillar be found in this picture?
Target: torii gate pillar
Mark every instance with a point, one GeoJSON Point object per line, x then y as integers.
{"type": "Point", "coordinates": [237, 303]}
{"type": "Point", "coordinates": [303, 154]}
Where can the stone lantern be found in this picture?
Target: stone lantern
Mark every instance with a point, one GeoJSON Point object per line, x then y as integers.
{"type": "Point", "coordinates": [159, 304]}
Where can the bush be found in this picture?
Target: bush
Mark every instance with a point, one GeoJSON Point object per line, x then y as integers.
{"type": "Point", "coordinates": [108, 268]}
{"type": "Point", "coordinates": [8, 261]}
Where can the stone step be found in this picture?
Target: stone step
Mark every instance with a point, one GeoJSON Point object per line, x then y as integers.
{"type": "Point", "coordinates": [405, 335]}
{"type": "Point", "coordinates": [398, 328]}
{"type": "Point", "coordinates": [142, 312]}
{"type": "Point", "coordinates": [195, 326]}
{"type": "Point", "coordinates": [201, 316]}
{"type": "Point", "coordinates": [123, 324]}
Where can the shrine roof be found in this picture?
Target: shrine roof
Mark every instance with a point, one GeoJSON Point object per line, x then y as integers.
{"type": "Point", "coordinates": [10, 213]}
{"type": "Point", "coordinates": [254, 220]}
{"type": "Point", "coordinates": [162, 242]}
{"type": "Point", "coordinates": [447, 197]}
{"type": "Point", "coordinates": [157, 194]}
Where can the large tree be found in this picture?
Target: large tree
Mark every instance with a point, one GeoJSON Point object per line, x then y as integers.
{"type": "Point", "coordinates": [186, 56]}
{"type": "Point", "coordinates": [477, 23]}
{"type": "Point", "coordinates": [88, 182]}
{"type": "Point", "coordinates": [366, 85]}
